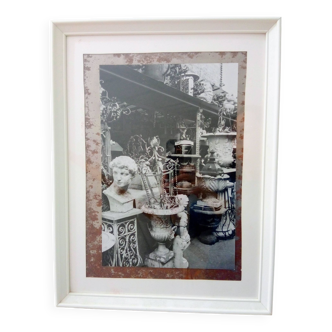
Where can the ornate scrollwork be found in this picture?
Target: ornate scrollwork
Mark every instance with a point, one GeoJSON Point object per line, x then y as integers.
{"type": "Point", "coordinates": [107, 228]}
{"type": "Point", "coordinates": [122, 243]}
{"type": "Point", "coordinates": [131, 226]}
{"type": "Point", "coordinates": [171, 164]}
{"type": "Point", "coordinates": [152, 165]}
{"type": "Point", "coordinates": [121, 230]}
{"type": "Point", "coordinates": [132, 240]}
{"type": "Point", "coordinates": [111, 108]}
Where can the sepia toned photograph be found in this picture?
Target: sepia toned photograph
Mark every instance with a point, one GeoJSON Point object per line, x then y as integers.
{"type": "Point", "coordinates": [168, 140]}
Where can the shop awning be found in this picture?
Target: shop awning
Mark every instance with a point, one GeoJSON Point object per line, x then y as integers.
{"type": "Point", "coordinates": [142, 91]}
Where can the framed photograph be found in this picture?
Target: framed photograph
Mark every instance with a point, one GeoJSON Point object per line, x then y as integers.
{"type": "Point", "coordinates": [165, 151]}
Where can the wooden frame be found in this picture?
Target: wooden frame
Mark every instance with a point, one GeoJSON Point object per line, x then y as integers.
{"type": "Point", "coordinates": [60, 32]}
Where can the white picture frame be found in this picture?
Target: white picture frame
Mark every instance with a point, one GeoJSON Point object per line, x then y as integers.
{"type": "Point", "coordinates": [61, 31]}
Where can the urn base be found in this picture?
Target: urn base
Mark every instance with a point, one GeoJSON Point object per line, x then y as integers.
{"type": "Point", "coordinates": [208, 237]}
{"type": "Point", "coordinates": [164, 261]}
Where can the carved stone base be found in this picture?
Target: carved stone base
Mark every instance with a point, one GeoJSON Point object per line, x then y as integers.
{"type": "Point", "coordinates": [155, 260]}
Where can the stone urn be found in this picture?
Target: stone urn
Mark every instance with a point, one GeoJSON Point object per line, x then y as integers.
{"type": "Point", "coordinates": [162, 231]}
{"type": "Point", "coordinates": [222, 144]}
{"type": "Point", "coordinates": [214, 184]}
{"type": "Point", "coordinates": [208, 218]}
{"type": "Point", "coordinates": [212, 177]}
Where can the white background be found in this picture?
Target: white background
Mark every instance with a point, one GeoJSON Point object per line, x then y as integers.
{"type": "Point", "coordinates": [248, 287]}
{"type": "Point", "coordinates": [230, 78]}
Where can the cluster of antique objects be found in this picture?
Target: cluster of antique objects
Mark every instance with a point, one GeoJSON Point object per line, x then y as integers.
{"type": "Point", "coordinates": [183, 191]}
{"type": "Point", "coordinates": [180, 77]}
{"type": "Point", "coordinates": [164, 208]}
{"type": "Point", "coordinates": [165, 205]}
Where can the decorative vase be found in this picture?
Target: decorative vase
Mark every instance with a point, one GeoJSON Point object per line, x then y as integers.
{"type": "Point", "coordinates": [214, 184]}
{"type": "Point", "coordinates": [222, 144]}
{"type": "Point", "coordinates": [162, 231]}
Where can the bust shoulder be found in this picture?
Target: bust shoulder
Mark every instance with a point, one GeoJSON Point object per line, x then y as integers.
{"type": "Point", "coordinates": [115, 192]}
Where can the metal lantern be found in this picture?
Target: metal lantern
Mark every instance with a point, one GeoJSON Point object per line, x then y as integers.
{"type": "Point", "coordinates": [212, 168]}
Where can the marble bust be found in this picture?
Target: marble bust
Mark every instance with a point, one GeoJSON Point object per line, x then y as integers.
{"type": "Point", "coordinates": [124, 170]}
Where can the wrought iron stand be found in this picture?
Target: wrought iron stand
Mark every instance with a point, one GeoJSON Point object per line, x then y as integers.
{"type": "Point", "coordinates": [123, 225]}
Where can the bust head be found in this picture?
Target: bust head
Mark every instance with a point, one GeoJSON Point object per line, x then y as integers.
{"type": "Point", "coordinates": [124, 169]}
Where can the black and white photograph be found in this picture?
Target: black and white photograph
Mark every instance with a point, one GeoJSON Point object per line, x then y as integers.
{"type": "Point", "coordinates": [165, 154]}
{"type": "Point", "coordinates": [169, 134]}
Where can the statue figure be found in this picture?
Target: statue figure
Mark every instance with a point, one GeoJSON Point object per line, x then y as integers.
{"type": "Point", "coordinates": [179, 245]}
{"type": "Point", "coordinates": [183, 226]}
{"type": "Point", "coordinates": [124, 170]}
{"type": "Point", "coordinates": [182, 241]}
{"type": "Point", "coordinates": [183, 130]}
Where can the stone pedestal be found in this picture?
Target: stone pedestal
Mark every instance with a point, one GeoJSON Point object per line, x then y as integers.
{"type": "Point", "coordinates": [124, 228]}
